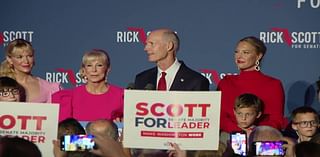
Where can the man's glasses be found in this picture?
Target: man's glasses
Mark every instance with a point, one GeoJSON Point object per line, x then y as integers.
{"type": "Point", "coordinates": [304, 124]}
{"type": "Point", "coordinates": [6, 92]}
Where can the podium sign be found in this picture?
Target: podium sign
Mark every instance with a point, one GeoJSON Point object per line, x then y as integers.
{"type": "Point", "coordinates": [153, 119]}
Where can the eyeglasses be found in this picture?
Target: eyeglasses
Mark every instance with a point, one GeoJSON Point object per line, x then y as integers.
{"type": "Point", "coordinates": [6, 92]}
{"type": "Point", "coordinates": [304, 124]}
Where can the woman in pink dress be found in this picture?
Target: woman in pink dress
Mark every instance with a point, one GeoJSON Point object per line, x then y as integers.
{"type": "Point", "coordinates": [97, 99]}
{"type": "Point", "coordinates": [18, 65]}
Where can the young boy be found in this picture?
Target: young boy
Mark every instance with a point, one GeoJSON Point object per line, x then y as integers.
{"type": "Point", "coordinates": [305, 122]}
{"type": "Point", "coordinates": [247, 110]}
{"type": "Point", "coordinates": [11, 90]}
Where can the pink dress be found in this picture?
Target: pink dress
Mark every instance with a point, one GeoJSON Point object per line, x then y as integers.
{"type": "Point", "coordinates": [46, 90]}
{"type": "Point", "coordinates": [84, 106]}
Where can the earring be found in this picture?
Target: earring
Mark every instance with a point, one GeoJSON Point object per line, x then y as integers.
{"type": "Point", "coordinates": [257, 67]}
{"type": "Point", "coordinates": [85, 79]}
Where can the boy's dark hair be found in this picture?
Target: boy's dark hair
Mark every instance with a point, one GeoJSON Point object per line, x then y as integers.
{"type": "Point", "coordinates": [307, 149]}
{"type": "Point", "coordinates": [304, 109]}
{"type": "Point", "coordinates": [16, 146]}
{"type": "Point", "coordinates": [7, 82]}
{"type": "Point", "coordinates": [248, 100]}
{"type": "Point", "coordinates": [70, 126]}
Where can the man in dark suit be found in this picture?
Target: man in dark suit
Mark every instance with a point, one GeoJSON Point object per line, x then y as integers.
{"type": "Point", "coordinates": [162, 46]}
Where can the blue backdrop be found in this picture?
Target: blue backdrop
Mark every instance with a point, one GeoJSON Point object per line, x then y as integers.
{"type": "Point", "coordinates": [61, 31]}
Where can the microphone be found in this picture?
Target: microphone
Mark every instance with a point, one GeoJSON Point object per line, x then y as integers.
{"type": "Point", "coordinates": [131, 86]}
{"type": "Point", "coordinates": [149, 86]}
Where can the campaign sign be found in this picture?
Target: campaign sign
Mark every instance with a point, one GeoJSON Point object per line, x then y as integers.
{"type": "Point", "coordinates": [36, 122]}
{"type": "Point", "coordinates": [154, 119]}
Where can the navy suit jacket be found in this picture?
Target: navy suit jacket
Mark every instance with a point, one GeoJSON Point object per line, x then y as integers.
{"type": "Point", "coordinates": [186, 79]}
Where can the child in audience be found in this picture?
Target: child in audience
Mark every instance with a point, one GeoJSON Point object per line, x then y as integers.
{"type": "Point", "coordinates": [68, 126]}
{"type": "Point", "coordinates": [305, 122]}
{"type": "Point", "coordinates": [11, 90]}
{"type": "Point", "coordinates": [247, 110]}
{"type": "Point", "coordinates": [18, 147]}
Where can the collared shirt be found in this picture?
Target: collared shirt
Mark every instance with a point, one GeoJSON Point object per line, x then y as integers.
{"type": "Point", "coordinates": [171, 73]}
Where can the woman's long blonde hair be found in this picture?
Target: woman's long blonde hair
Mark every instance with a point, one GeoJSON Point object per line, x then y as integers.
{"type": "Point", "coordinates": [6, 69]}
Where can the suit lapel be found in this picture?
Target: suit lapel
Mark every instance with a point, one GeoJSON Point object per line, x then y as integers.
{"type": "Point", "coordinates": [153, 77]}
{"type": "Point", "coordinates": [178, 82]}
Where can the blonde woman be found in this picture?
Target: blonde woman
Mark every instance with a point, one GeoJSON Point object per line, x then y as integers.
{"type": "Point", "coordinates": [97, 99]}
{"type": "Point", "coordinates": [248, 55]}
{"type": "Point", "coordinates": [18, 65]}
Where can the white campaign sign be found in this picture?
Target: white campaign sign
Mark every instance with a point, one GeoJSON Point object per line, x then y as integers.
{"type": "Point", "coordinates": [152, 119]}
{"type": "Point", "coordinates": [36, 122]}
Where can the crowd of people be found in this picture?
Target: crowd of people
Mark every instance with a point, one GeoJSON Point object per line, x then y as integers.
{"type": "Point", "coordinates": [252, 102]}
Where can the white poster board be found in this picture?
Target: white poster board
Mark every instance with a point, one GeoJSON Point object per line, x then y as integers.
{"type": "Point", "coordinates": [36, 122]}
{"type": "Point", "coordinates": [152, 119]}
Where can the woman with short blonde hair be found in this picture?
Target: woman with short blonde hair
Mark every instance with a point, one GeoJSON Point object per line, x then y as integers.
{"type": "Point", "coordinates": [97, 98]}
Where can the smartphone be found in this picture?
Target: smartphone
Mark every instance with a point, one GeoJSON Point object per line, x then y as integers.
{"type": "Point", "coordinates": [77, 142]}
{"type": "Point", "coordinates": [268, 148]}
{"type": "Point", "coordinates": [239, 143]}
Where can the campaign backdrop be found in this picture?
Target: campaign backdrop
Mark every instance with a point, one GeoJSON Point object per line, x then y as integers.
{"type": "Point", "coordinates": [61, 31]}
